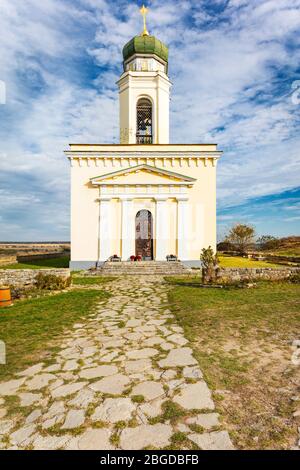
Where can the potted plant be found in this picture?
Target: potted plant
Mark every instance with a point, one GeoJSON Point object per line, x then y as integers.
{"type": "Point", "coordinates": [115, 258]}
{"type": "Point", "coordinates": [138, 258]}
{"type": "Point", "coordinates": [171, 258]}
{"type": "Point", "coordinates": [132, 258]}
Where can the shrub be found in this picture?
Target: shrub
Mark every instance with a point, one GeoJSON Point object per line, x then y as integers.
{"type": "Point", "coordinates": [210, 265]}
{"type": "Point", "coordinates": [51, 282]}
{"type": "Point", "coordinates": [268, 242]}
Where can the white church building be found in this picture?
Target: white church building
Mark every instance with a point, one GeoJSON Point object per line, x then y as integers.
{"type": "Point", "coordinates": [145, 196]}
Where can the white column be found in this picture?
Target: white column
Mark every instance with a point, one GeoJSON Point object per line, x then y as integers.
{"type": "Point", "coordinates": [128, 219]}
{"type": "Point", "coordinates": [104, 228]}
{"type": "Point", "coordinates": [162, 229]}
{"type": "Point", "coordinates": [182, 228]}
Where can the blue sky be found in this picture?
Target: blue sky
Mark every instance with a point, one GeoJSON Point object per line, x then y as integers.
{"type": "Point", "coordinates": [234, 65]}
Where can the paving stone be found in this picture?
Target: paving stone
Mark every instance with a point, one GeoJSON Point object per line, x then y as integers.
{"type": "Point", "coordinates": [57, 408]}
{"type": "Point", "coordinates": [140, 365]}
{"type": "Point", "coordinates": [72, 364]}
{"type": "Point", "coordinates": [31, 370]}
{"type": "Point", "coordinates": [53, 368]}
{"type": "Point", "coordinates": [167, 346]}
{"type": "Point", "coordinates": [133, 322]}
{"type": "Point", "coordinates": [178, 357]}
{"type": "Point", "coordinates": [69, 389]}
{"type": "Point", "coordinates": [50, 442]}
{"type": "Point", "coordinates": [153, 408]}
{"type": "Point", "coordinates": [178, 339]}
{"type": "Point", "coordinates": [149, 390]}
{"type": "Point", "coordinates": [83, 398]}
{"type": "Point", "coordinates": [145, 435]}
{"type": "Point", "coordinates": [115, 384]}
{"type": "Point", "coordinates": [192, 372]}
{"type": "Point", "coordinates": [39, 381]}
{"type": "Point", "coordinates": [49, 423]}
{"type": "Point", "coordinates": [6, 426]}
{"type": "Point", "coordinates": [109, 357]}
{"type": "Point", "coordinates": [74, 419]}
{"type": "Point", "coordinates": [195, 396]}
{"type": "Point", "coordinates": [141, 353]}
{"type": "Point", "coordinates": [113, 410]}
{"type": "Point", "coordinates": [100, 371]}
{"type": "Point", "coordinates": [28, 399]}
{"type": "Point", "coordinates": [19, 436]}
{"type": "Point", "coordinates": [11, 387]}
{"type": "Point", "coordinates": [152, 341]}
{"type": "Point", "coordinates": [218, 440]}
{"type": "Point", "coordinates": [134, 336]}
{"type": "Point", "coordinates": [34, 416]}
{"type": "Point", "coordinates": [3, 412]}
{"type": "Point", "coordinates": [206, 420]}
{"type": "Point", "coordinates": [95, 439]}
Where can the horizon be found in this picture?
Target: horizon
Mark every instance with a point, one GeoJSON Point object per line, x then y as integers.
{"type": "Point", "coordinates": [236, 81]}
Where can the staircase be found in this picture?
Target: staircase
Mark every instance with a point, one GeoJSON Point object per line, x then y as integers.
{"type": "Point", "coordinates": [142, 268]}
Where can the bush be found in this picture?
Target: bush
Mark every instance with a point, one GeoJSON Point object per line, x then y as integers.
{"type": "Point", "coordinates": [268, 242]}
{"type": "Point", "coordinates": [51, 282]}
{"type": "Point", "coordinates": [295, 278]}
{"type": "Point", "coordinates": [210, 265]}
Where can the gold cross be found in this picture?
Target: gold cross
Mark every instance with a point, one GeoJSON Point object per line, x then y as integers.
{"type": "Point", "coordinates": [144, 12]}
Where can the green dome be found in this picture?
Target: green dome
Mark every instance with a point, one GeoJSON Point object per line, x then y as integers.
{"type": "Point", "coordinates": [145, 45]}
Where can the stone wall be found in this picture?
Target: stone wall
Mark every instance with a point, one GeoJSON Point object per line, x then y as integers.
{"type": "Point", "coordinates": [7, 259]}
{"type": "Point", "coordinates": [40, 256]}
{"type": "Point", "coordinates": [26, 277]}
{"type": "Point", "coordinates": [250, 274]}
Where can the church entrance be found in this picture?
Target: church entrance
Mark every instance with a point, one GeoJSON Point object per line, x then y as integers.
{"type": "Point", "coordinates": [144, 235]}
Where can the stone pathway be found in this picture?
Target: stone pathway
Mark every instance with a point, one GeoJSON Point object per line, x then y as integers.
{"type": "Point", "coordinates": [124, 379]}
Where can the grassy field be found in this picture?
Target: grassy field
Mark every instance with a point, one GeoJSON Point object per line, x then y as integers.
{"type": "Point", "coordinates": [90, 280]}
{"type": "Point", "coordinates": [30, 327]}
{"type": "Point", "coordinates": [60, 262]}
{"type": "Point", "coordinates": [242, 339]}
{"type": "Point", "coordinates": [240, 262]}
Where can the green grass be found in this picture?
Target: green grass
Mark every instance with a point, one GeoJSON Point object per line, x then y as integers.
{"type": "Point", "coordinates": [239, 262]}
{"type": "Point", "coordinates": [60, 262]}
{"type": "Point", "coordinates": [30, 327]}
{"type": "Point", "coordinates": [90, 280]}
{"type": "Point", "coordinates": [242, 340]}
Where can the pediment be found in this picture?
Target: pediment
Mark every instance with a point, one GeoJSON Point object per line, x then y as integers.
{"type": "Point", "coordinates": [142, 174]}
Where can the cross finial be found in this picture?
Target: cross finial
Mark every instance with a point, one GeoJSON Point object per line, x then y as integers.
{"type": "Point", "coordinates": [144, 12]}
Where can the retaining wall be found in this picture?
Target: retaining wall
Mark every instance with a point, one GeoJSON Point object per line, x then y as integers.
{"type": "Point", "coordinates": [26, 277]}
{"type": "Point", "coordinates": [245, 274]}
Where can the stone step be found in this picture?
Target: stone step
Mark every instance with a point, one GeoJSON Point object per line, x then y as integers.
{"type": "Point", "coordinates": [143, 268]}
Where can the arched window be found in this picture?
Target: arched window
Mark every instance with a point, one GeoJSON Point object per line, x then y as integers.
{"type": "Point", "coordinates": [144, 121]}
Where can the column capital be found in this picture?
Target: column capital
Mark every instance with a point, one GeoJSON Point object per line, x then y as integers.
{"type": "Point", "coordinates": [182, 198]}
{"type": "Point", "coordinates": [160, 198]}
{"type": "Point", "coordinates": [126, 198]}
{"type": "Point", "coordinates": [104, 198]}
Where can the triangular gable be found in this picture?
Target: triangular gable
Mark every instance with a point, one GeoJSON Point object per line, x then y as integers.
{"type": "Point", "coordinates": [159, 175]}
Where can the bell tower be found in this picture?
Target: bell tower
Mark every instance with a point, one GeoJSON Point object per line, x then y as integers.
{"type": "Point", "coordinates": [144, 90]}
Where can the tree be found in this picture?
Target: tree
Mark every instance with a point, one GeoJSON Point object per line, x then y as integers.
{"type": "Point", "coordinates": [268, 242]}
{"type": "Point", "coordinates": [241, 236]}
{"type": "Point", "coordinates": [210, 265]}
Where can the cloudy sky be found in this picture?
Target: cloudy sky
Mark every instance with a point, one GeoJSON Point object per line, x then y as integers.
{"type": "Point", "coordinates": [235, 68]}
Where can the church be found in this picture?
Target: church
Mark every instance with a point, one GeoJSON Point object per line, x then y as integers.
{"type": "Point", "coordinates": [144, 198]}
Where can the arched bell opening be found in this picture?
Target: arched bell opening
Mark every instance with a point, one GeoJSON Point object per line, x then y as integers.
{"type": "Point", "coordinates": [144, 121]}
